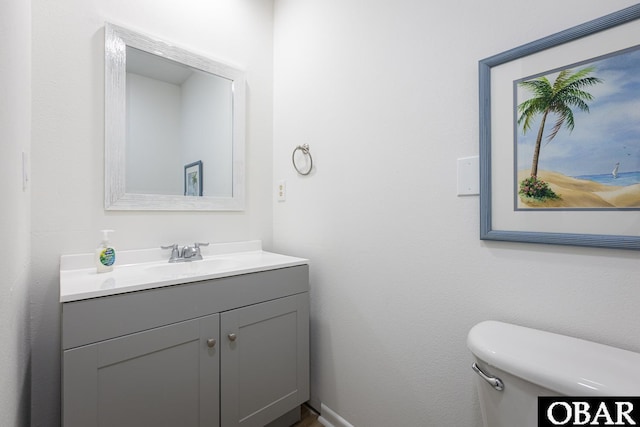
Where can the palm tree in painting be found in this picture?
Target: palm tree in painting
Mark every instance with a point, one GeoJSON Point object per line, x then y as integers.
{"type": "Point", "coordinates": [557, 98]}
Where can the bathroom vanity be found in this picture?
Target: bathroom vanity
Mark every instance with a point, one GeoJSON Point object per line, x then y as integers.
{"type": "Point", "coordinates": [219, 342]}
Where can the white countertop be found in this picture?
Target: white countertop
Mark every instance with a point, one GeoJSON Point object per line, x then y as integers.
{"type": "Point", "coordinates": [149, 268]}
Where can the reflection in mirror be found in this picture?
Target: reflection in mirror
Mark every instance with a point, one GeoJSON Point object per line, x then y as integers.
{"type": "Point", "coordinates": [166, 110]}
{"type": "Point", "coordinates": [181, 115]}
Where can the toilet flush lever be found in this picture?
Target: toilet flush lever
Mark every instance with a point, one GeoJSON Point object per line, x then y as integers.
{"type": "Point", "coordinates": [495, 382]}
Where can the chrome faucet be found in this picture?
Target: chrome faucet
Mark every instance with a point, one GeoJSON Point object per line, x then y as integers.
{"type": "Point", "coordinates": [185, 253]}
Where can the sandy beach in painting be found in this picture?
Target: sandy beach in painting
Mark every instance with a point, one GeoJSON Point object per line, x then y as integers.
{"type": "Point", "coordinates": [579, 193]}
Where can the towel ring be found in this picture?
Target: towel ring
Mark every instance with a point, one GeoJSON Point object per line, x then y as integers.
{"type": "Point", "coordinates": [305, 150]}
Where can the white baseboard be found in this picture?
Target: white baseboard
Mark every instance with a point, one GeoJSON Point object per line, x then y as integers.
{"type": "Point", "coordinates": [329, 418]}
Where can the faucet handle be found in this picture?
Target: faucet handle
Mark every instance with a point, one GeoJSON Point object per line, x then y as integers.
{"type": "Point", "coordinates": [197, 247]}
{"type": "Point", "coordinates": [175, 251]}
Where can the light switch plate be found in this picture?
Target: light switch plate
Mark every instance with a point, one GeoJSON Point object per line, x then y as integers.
{"type": "Point", "coordinates": [468, 176]}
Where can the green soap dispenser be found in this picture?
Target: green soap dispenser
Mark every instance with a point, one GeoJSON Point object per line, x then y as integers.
{"type": "Point", "coordinates": [105, 254]}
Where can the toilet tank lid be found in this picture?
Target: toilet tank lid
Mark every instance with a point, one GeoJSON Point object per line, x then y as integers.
{"type": "Point", "coordinates": [566, 365]}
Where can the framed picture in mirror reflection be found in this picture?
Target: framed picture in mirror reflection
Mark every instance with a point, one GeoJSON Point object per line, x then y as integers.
{"type": "Point", "coordinates": [193, 179]}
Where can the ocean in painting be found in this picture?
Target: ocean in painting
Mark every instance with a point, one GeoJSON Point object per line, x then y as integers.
{"type": "Point", "coordinates": [624, 178]}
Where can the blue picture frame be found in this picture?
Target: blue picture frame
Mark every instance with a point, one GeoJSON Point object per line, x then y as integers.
{"type": "Point", "coordinates": [193, 179]}
{"type": "Point", "coordinates": [487, 229]}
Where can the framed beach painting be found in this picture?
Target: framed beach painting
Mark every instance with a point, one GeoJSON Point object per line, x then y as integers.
{"type": "Point", "coordinates": [193, 179]}
{"type": "Point", "coordinates": [560, 137]}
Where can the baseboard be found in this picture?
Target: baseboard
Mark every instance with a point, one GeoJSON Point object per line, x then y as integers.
{"type": "Point", "coordinates": [329, 418]}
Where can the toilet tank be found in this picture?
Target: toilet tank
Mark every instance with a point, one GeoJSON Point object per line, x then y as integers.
{"type": "Point", "coordinates": [532, 363]}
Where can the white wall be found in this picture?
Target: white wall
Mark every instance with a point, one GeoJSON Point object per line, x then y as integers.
{"type": "Point", "coordinates": [68, 146]}
{"type": "Point", "coordinates": [207, 131]}
{"type": "Point", "coordinates": [385, 94]}
{"type": "Point", "coordinates": [153, 163]}
{"type": "Point", "coordinates": [15, 224]}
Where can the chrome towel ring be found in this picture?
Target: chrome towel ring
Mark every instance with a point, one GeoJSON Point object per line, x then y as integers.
{"type": "Point", "coordinates": [305, 150]}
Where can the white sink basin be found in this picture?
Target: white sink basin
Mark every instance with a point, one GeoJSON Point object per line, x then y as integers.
{"type": "Point", "coordinates": [194, 268]}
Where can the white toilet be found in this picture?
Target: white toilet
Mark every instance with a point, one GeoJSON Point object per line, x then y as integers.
{"type": "Point", "coordinates": [515, 365]}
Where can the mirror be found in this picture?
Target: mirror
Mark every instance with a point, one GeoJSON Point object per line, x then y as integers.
{"type": "Point", "coordinates": [174, 127]}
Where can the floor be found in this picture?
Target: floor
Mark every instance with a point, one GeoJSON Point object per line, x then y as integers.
{"type": "Point", "coordinates": [309, 418]}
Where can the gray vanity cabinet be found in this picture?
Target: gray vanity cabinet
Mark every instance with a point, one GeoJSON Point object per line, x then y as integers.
{"type": "Point", "coordinates": [217, 353]}
{"type": "Point", "coordinates": [167, 376]}
{"type": "Point", "coordinates": [264, 360]}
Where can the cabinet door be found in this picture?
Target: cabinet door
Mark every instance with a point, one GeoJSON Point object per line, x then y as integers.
{"type": "Point", "coordinates": [164, 377]}
{"type": "Point", "coordinates": [264, 367]}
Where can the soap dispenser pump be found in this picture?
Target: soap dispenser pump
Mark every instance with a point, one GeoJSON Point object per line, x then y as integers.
{"type": "Point", "coordinates": [105, 254]}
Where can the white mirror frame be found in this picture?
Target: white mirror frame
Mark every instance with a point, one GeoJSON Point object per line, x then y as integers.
{"type": "Point", "coordinates": [116, 197]}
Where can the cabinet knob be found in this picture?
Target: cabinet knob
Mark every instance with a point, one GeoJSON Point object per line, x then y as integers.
{"type": "Point", "coordinates": [211, 343]}
{"type": "Point", "coordinates": [232, 337]}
